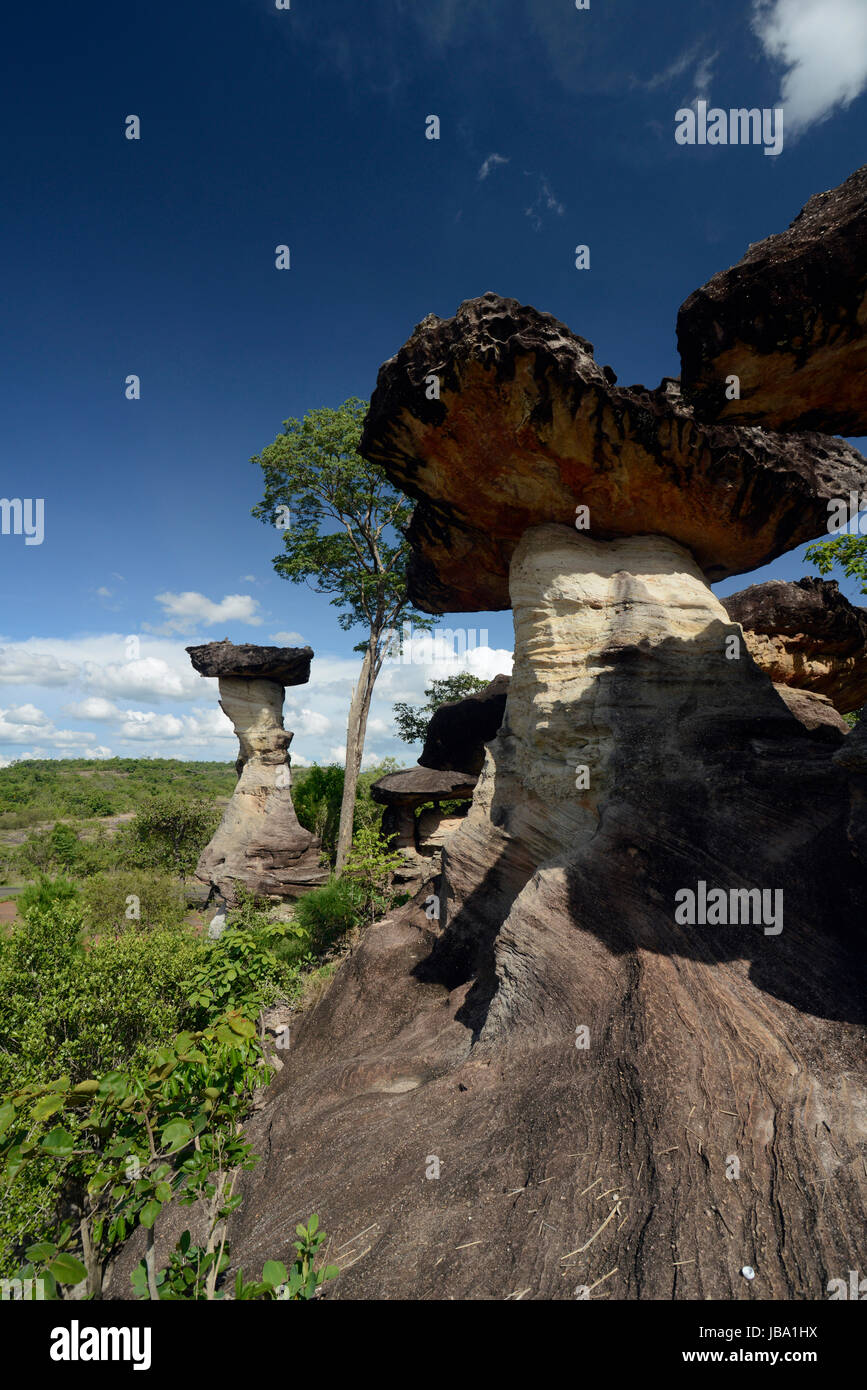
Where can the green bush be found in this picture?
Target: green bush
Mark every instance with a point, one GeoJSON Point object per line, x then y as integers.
{"type": "Point", "coordinates": [45, 893]}
{"type": "Point", "coordinates": [325, 914]}
{"type": "Point", "coordinates": [70, 1009]}
{"type": "Point", "coordinates": [248, 967]}
{"type": "Point", "coordinates": [170, 831]}
{"type": "Point", "coordinates": [110, 902]}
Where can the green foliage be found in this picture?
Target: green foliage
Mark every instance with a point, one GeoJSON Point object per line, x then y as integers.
{"type": "Point", "coordinates": [370, 866]}
{"type": "Point", "coordinates": [316, 794]}
{"type": "Point", "coordinates": [129, 1142]}
{"type": "Point", "coordinates": [194, 1272]}
{"type": "Point", "coordinates": [342, 519]}
{"type": "Point", "coordinates": [329, 912]}
{"type": "Point", "coordinates": [110, 902]}
{"type": "Point", "coordinates": [412, 720]}
{"type": "Point", "coordinates": [46, 893]}
{"type": "Point", "coordinates": [46, 790]}
{"type": "Point", "coordinates": [850, 552]}
{"type": "Point", "coordinates": [67, 1009]}
{"type": "Point", "coordinates": [249, 966]}
{"type": "Point", "coordinates": [170, 831]}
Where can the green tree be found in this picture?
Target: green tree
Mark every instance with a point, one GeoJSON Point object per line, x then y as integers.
{"type": "Point", "coordinates": [170, 831]}
{"type": "Point", "coordinates": [412, 720]}
{"type": "Point", "coordinates": [850, 552]}
{"type": "Point", "coordinates": [342, 524]}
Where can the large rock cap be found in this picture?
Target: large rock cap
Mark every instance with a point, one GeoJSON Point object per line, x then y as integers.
{"type": "Point", "coordinates": [528, 426]}
{"type": "Point", "coordinates": [806, 635]}
{"type": "Point", "coordinates": [790, 320]}
{"type": "Point", "coordinates": [286, 665]}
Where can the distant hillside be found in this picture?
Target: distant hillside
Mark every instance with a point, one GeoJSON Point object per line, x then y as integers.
{"type": "Point", "coordinates": [44, 790]}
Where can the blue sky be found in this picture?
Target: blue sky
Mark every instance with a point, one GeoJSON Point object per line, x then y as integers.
{"type": "Point", "coordinates": [306, 127]}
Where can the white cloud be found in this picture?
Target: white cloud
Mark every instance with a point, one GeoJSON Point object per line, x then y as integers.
{"type": "Point", "coordinates": [306, 721]}
{"type": "Point", "coordinates": [103, 592]}
{"type": "Point", "coordinates": [23, 723]}
{"type": "Point", "coordinates": [200, 728]}
{"type": "Point", "coordinates": [20, 666]}
{"type": "Point", "coordinates": [158, 705]}
{"type": "Point", "coordinates": [544, 202]}
{"type": "Point", "coordinates": [288, 639]}
{"type": "Point", "coordinates": [185, 612]}
{"type": "Point", "coordinates": [822, 44]}
{"type": "Point", "coordinates": [94, 708]}
{"type": "Point", "coordinates": [25, 714]}
{"type": "Point", "coordinates": [490, 163]}
{"type": "Point", "coordinates": [147, 679]}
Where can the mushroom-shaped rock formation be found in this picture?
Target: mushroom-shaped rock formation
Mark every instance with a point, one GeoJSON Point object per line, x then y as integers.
{"type": "Point", "coordinates": [419, 837]}
{"type": "Point", "coordinates": [528, 428]}
{"type": "Point", "coordinates": [458, 730]}
{"type": "Point", "coordinates": [259, 842]}
{"type": "Point", "coordinates": [647, 956]}
{"type": "Point", "coordinates": [790, 322]}
{"type": "Point", "coordinates": [807, 635]}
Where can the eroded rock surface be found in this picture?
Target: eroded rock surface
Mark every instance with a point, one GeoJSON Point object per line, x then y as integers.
{"type": "Point", "coordinates": [807, 635]}
{"type": "Point", "coordinates": [528, 427]}
{"type": "Point", "coordinates": [560, 1164]}
{"type": "Point", "coordinates": [790, 321]}
{"type": "Point", "coordinates": [259, 842]}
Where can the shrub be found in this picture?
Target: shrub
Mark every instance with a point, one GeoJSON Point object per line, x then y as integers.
{"type": "Point", "coordinates": [325, 914]}
{"type": "Point", "coordinates": [170, 831]}
{"type": "Point", "coordinates": [370, 866]}
{"type": "Point", "coordinates": [110, 902]}
{"type": "Point", "coordinates": [46, 893]}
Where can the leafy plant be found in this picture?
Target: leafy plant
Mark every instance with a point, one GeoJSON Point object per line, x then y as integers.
{"type": "Point", "coordinates": [370, 866]}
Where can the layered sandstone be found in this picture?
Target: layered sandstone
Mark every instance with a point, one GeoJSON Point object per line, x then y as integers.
{"type": "Point", "coordinates": [806, 635]}
{"type": "Point", "coordinates": [464, 1038]}
{"type": "Point", "coordinates": [259, 843]}
{"type": "Point", "coordinates": [790, 322]}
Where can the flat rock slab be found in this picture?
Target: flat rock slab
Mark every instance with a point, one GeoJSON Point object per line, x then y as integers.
{"type": "Point", "coordinates": [415, 785]}
{"type": "Point", "coordinates": [528, 427]}
{"type": "Point", "coordinates": [806, 635]}
{"type": "Point", "coordinates": [790, 321]}
{"type": "Point", "coordinates": [285, 665]}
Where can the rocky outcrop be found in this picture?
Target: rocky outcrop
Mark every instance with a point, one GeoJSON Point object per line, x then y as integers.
{"type": "Point", "coordinates": [458, 731]}
{"type": "Point", "coordinates": [807, 635]}
{"type": "Point", "coordinates": [259, 842]}
{"type": "Point", "coordinates": [420, 837]}
{"type": "Point", "coordinates": [528, 428]}
{"type": "Point", "coordinates": [815, 712]}
{"type": "Point", "coordinates": [583, 1071]}
{"type": "Point", "coordinates": [790, 322]}
{"type": "Point", "coordinates": [618, 1049]}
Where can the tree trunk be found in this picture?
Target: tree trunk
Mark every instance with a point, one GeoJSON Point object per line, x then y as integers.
{"type": "Point", "coordinates": [355, 732]}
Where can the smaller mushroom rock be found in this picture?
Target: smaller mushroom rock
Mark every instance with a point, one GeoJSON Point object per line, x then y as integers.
{"type": "Point", "coordinates": [259, 842]}
{"type": "Point", "coordinates": [807, 635]}
{"type": "Point", "coordinates": [789, 321]}
{"type": "Point", "coordinates": [413, 786]}
{"type": "Point", "coordinates": [458, 731]}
